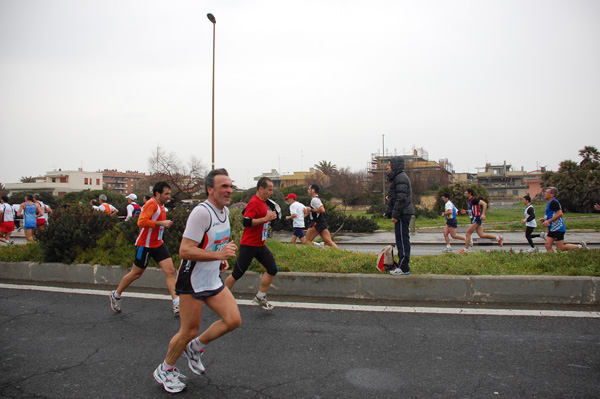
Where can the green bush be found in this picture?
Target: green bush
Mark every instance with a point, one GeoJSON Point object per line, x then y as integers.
{"type": "Point", "coordinates": [78, 228]}
{"type": "Point", "coordinates": [360, 224]}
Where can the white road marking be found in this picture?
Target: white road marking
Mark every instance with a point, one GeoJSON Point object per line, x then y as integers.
{"type": "Point", "coordinates": [333, 306]}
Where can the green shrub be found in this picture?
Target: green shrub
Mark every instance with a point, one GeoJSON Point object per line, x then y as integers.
{"type": "Point", "coordinates": [360, 224]}
{"type": "Point", "coordinates": [30, 252]}
{"type": "Point", "coordinates": [78, 228]}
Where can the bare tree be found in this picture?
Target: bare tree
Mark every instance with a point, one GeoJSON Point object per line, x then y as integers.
{"type": "Point", "coordinates": [348, 186]}
{"type": "Point", "coordinates": [185, 179]}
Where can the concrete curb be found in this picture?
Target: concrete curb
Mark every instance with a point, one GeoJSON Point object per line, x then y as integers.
{"type": "Point", "coordinates": [425, 288]}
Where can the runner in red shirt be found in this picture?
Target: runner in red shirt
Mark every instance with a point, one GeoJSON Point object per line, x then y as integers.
{"type": "Point", "coordinates": [152, 222]}
{"type": "Point", "coordinates": [256, 224]}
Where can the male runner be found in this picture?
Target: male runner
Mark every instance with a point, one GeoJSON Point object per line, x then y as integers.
{"type": "Point", "coordinates": [204, 249]}
{"type": "Point", "coordinates": [530, 223]}
{"type": "Point", "coordinates": [477, 209]}
{"type": "Point", "coordinates": [252, 245]}
{"type": "Point", "coordinates": [451, 222]}
{"type": "Point", "coordinates": [7, 220]}
{"type": "Point", "coordinates": [297, 214]}
{"type": "Point", "coordinates": [133, 209]}
{"type": "Point", "coordinates": [553, 220]}
{"type": "Point", "coordinates": [317, 214]}
{"type": "Point", "coordinates": [106, 207]}
{"type": "Point", "coordinates": [152, 223]}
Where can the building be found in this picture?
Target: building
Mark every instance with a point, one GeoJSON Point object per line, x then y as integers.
{"type": "Point", "coordinates": [287, 180]}
{"type": "Point", "coordinates": [534, 182]}
{"type": "Point", "coordinates": [423, 173]}
{"type": "Point", "coordinates": [121, 182]}
{"type": "Point", "coordinates": [59, 182]}
{"type": "Point", "coordinates": [502, 182]}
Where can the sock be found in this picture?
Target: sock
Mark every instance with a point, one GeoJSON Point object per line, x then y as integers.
{"type": "Point", "coordinates": [261, 294]}
{"type": "Point", "coordinates": [196, 345]}
{"type": "Point", "coordinates": [166, 367]}
{"type": "Point", "coordinates": [176, 301]}
{"type": "Point", "coordinates": [117, 296]}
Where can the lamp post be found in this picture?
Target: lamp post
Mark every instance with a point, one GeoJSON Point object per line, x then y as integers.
{"type": "Point", "coordinates": [212, 19]}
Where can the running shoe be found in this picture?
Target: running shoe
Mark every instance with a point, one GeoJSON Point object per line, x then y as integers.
{"type": "Point", "coordinates": [169, 379]}
{"type": "Point", "coordinates": [318, 244]}
{"type": "Point", "coordinates": [193, 359]}
{"type": "Point", "coordinates": [176, 309]}
{"type": "Point", "coordinates": [584, 245]}
{"type": "Point", "coordinates": [532, 250]}
{"type": "Point", "coordinates": [263, 303]}
{"type": "Point", "coordinates": [398, 272]}
{"type": "Point", "coordinates": [464, 251]}
{"type": "Point", "coordinates": [543, 235]}
{"type": "Point", "coordinates": [501, 240]}
{"type": "Point", "coordinates": [446, 250]}
{"type": "Point", "coordinates": [115, 303]}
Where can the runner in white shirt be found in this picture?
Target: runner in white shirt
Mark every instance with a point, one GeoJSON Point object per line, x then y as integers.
{"type": "Point", "coordinates": [205, 248]}
{"type": "Point", "coordinates": [297, 214]}
{"type": "Point", "coordinates": [7, 217]}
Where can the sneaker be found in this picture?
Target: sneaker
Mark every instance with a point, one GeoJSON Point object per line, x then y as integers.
{"type": "Point", "coordinates": [501, 240]}
{"type": "Point", "coordinates": [176, 309]}
{"type": "Point", "coordinates": [169, 379]}
{"type": "Point", "coordinates": [318, 244]}
{"type": "Point", "coordinates": [263, 303]}
{"type": "Point", "coordinates": [532, 250]}
{"type": "Point", "coordinates": [446, 250]}
{"type": "Point", "coordinates": [463, 251]}
{"type": "Point", "coordinates": [543, 235]}
{"type": "Point", "coordinates": [398, 272]}
{"type": "Point", "coordinates": [193, 359]}
{"type": "Point", "coordinates": [115, 303]}
{"type": "Point", "coordinates": [584, 245]}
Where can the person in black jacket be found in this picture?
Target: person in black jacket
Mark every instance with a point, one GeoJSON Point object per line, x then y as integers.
{"type": "Point", "coordinates": [400, 209]}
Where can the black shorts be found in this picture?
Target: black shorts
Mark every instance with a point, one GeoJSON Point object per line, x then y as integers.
{"type": "Point", "coordinates": [143, 254]}
{"type": "Point", "coordinates": [320, 224]}
{"type": "Point", "coordinates": [452, 223]}
{"type": "Point", "coordinates": [201, 296]}
{"type": "Point", "coordinates": [247, 253]}
{"type": "Point", "coordinates": [557, 235]}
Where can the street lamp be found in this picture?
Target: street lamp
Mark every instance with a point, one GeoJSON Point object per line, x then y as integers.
{"type": "Point", "coordinates": [212, 19]}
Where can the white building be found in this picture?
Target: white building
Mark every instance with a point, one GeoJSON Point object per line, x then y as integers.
{"type": "Point", "coordinates": [60, 182]}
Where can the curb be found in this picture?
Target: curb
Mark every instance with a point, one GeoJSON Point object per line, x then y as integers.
{"type": "Point", "coordinates": [562, 290]}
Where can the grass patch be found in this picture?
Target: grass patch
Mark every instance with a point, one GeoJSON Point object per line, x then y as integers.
{"type": "Point", "coordinates": [304, 258]}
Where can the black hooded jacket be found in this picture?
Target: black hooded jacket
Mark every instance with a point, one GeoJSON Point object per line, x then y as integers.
{"type": "Point", "coordinates": [400, 193]}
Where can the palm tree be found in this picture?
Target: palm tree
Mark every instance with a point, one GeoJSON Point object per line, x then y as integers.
{"type": "Point", "coordinates": [589, 153]}
{"type": "Point", "coordinates": [327, 168]}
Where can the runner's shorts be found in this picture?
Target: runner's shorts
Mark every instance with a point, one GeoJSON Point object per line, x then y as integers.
{"type": "Point", "coordinates": [452, 223]}
{"type": "Point", "coordinates": [557, 235]}
{"type": "Point", "coordinates": [320, 224]}
{"type": "Point", "coordinates": [262, 255]}
{"type": "Point", "coordinates": [143, 255]}
{"type": "Point", "coordinates": [298, 232]}
{"type": "Point", "coordinates": [476, 219]}
{"type": "Point", "coordinates": [7, 227]}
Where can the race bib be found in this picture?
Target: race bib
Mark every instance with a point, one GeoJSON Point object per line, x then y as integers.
{"type": "Point", "coordinates": [265, 230]}
{"type": "Point", "coordinates": [221, 239]}
{"type": "Point", "coordinates": [161, 231]}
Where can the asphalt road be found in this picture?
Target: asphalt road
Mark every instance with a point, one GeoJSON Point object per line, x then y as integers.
{"type": "Point", "coordinates": [67, 345]}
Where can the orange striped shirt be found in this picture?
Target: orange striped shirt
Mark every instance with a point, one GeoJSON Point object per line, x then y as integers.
{"type": "Point", "coordinates": [150, 234]}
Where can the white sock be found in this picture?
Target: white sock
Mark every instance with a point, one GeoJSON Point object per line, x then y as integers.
{"type": "Point", "coordinates": [176, 301]}
{"type": "Point", "coordinates": [261, 294]}
{"type": "Point", "coordinates": [196, 345]}
{"type": "Point", "coordinates": [117, 296]}
{"type": "Point", "coordinates": [166, 366]}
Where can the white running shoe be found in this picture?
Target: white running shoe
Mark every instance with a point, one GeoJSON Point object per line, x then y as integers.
{"type": "Point", "coordinates": [584, 245]}
{"type": "Point", "coordinates": [446, 250]}
{"type": "Point", "coordinates": [176, 309]}
{"type": "Point", "coordinates": [262, 302]}
{"type": "Point", "coordinates": [532, 250]}
{"type": "Point", "coordinates": [169, 379]}
{"type": "Point", "coordinates": [318, 244]}
{"type": "Point", "coordinates": [398, 272]}
{"type": "Point", "coordinates": [193, 359]}
{"type": "Point", "coordinates": [115, 303]}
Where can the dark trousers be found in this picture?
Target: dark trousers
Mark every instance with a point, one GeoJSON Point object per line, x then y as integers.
{"type": "Point", "coordinates": [529, 236]}
{"type": "Point", "coordinates": [401, 229]}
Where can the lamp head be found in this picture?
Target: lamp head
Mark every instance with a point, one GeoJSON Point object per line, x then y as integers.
{"type": "Point", "coordinates": [211, 18]}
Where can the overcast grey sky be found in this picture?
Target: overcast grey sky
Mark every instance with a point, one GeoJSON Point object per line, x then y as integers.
{"type": "Point", "coordinates": [102, 83]}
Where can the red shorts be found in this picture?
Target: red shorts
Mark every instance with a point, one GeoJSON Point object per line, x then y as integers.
{"type": "Point", "coordinates": [40, 222]}
{"type": "Point", "coordinates": [7, 227]}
